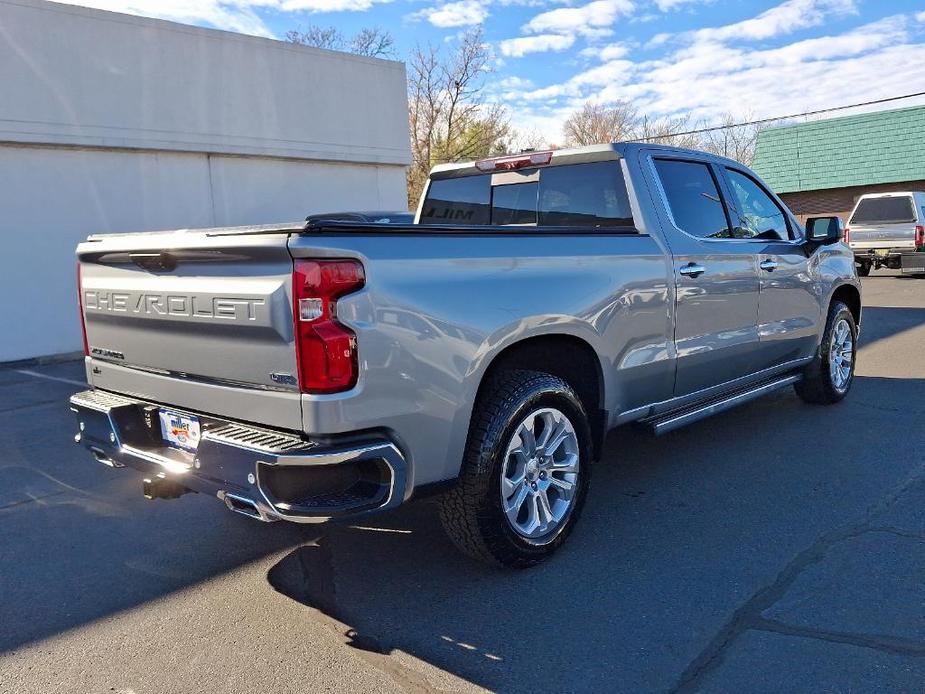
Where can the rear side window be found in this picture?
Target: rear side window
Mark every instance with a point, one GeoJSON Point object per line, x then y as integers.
{"type": "Point", "coordinates": [464, 200]}
{"type": "Point", "coordinates": [884, 210]}
{"type": "Point", "coordinates": [592, 195]}
{"type": "Point", "coordinates": [694, 198]}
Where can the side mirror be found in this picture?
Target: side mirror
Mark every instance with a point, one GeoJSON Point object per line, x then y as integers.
{"type": "Point", "coordinates": [824, 230]}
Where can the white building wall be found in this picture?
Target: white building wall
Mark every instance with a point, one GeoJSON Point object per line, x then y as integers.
{"type": "Point", "coordinates": [113, 123]}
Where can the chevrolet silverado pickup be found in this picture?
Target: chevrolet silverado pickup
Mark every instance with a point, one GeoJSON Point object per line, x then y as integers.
{"type": "Point", "coordinates": [336, 368]}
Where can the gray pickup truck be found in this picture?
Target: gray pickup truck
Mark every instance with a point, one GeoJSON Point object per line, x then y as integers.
{"type": "Point", "coordinates": [334, 369]}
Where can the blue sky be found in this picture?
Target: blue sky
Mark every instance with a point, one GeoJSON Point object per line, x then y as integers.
{"type": "Point", "coordinates": [669, 57]}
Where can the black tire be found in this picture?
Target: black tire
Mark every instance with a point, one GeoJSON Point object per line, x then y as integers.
{"type": "Point", "coordinates": [817, 386]}
{"type": "Point", "coordinates": [472, 512]}
{"type": "Point", "coordinates": [863, 269]}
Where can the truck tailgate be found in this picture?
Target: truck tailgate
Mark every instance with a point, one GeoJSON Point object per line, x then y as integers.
{"type": "Point", "coordinates": [196, 319]}
{"type": "Point", "coordinates": [900, 235]}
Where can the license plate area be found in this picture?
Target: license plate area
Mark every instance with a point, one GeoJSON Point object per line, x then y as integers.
{"type": "Point", "coordinates": [181, 431]}
{"type": "Point", "coordinates": [882, 252]}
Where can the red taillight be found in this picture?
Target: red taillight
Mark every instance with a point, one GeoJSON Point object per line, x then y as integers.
{"type": "Point", "coordinates": [847, 235]}
{"type": "Point", "coordinates": [516, 161]}
{"type": "Point", "coordinates": [919, 236]}
{"type": "Point", "coordinates": [325, 350]}
{"type": "Point", "coordinates": [83, 320]}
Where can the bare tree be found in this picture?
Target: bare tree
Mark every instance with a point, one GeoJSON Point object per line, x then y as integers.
{"type": "Point", "coordinates": [667, 130]}
{"type": "Point", "coordinates": [526, 140]}
{"type": "Point", "coordinates": [372, 42]}
{"type": "Point", "coordinates": [733, 140]}
{"type": "Point", "coordinates": [448, 117]}
{"type": "Point", "coordinates": [317, 37]}
{"type": "Point", "coordinates": [598, 123]}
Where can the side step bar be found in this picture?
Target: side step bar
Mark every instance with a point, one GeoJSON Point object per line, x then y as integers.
{"type": "Point", "coordinates": [662, 424]}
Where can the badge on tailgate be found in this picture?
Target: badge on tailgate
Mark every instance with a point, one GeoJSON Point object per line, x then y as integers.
{"type": "Point", "coordinates": [180, 430]}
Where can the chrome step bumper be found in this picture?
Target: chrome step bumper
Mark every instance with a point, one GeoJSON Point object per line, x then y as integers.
{"type": "Point", "coordinates": [265, 474]}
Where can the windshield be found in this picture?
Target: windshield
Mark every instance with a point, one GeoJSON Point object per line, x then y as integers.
{"type": "Point", "coordinates": [887, 210]}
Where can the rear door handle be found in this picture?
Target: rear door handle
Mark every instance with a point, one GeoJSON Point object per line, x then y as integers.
{"type": "Point", "coordinates": [769, 265]}
{"type": "Point", "coordinates": [692, 270]}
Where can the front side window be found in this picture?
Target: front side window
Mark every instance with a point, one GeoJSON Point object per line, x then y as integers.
{"type": "Point", "coordinates": [761, 218]}
{"type": "Point", "coordinates": [464, 200]}
{"type": "Point", "coordinates": [693, 198]}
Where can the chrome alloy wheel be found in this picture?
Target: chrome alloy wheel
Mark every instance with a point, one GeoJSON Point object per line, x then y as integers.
{"type": "Point", "coordinates": [539, 476]}
{"type": "Point", "coordinates": [841, 355]}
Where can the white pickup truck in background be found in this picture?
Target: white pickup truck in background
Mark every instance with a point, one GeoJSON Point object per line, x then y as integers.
{"type": "Point", "coordinates": [888, 230]}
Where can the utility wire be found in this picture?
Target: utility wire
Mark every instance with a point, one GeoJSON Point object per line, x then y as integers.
{"type": "Point", "coordinates": [771, 120]}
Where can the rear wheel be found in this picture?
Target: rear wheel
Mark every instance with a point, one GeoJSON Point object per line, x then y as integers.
{"type": "Point", "coordinates": [828, 378]}
{"type": "Point", "coordinates": [863, 269]}
{"type": "Point", "coordinates": [525, 472]}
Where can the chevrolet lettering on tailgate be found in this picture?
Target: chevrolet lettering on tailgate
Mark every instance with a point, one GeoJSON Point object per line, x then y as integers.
{"type": "Point", "coordinates": [220, 308]}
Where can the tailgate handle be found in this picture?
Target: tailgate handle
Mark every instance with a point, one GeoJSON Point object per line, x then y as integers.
{"type": "Point", "coordinates": [154, 262]}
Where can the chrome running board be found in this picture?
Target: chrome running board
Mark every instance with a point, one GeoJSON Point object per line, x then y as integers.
{"type": "Point", "coordinates": [670, 421]}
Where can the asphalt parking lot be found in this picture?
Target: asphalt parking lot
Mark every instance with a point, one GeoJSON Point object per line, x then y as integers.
{"type": "Point", "coordinates": [777, 547]}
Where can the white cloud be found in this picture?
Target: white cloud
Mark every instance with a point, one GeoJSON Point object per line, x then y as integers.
{"type": "Point", "coordinates": [707, 79]}
{"type": "Point", "coordinates": [454, 14]}
{"type": "Point", "coordinates": [328, 5]}
{"type": "Point", "coordinates": [513, 82]}
{"type": "Point", "coordinates": [920, 17]}
{"type": "Point", "coordinates": [667, 5]}
{"type": "Point", "coordinates": [612, 51]}
{"type": "Point", "coordinates": [593, 19]}
{"type": "Point", "coordinates": [786, 18]}
{"type": "Point", "coordinates": [517, 48]}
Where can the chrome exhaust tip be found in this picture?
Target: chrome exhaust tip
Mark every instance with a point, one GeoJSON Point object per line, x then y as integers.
{"type": "Point", "coordinates": [246, 507]}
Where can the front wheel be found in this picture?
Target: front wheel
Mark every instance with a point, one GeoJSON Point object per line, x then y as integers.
{"type": "Point", "coordinates": [525, 472]}
{"type": "Point", "coordinates": [828, 378]}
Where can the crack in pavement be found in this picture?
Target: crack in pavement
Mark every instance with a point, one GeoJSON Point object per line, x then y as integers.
{"type": "Point", "coordinates": [749, 615]}
{"type": "Point", "coordinates": [893, 645]}
{"type": "Point", "coordinates": [30, 500]}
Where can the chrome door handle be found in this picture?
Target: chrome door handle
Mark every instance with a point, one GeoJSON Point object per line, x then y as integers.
{"type": "Point", "coordinates": [769, 265]}
{"type": "Point", "coordinates": [692, 270]}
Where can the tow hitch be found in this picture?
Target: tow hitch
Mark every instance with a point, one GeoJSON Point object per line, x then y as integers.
{"type": "Point", "coordinates": [162, 488]}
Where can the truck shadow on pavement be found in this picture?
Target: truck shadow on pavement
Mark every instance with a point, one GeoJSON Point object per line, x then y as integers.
{"type": "Point", "coordinates": [677, 533]}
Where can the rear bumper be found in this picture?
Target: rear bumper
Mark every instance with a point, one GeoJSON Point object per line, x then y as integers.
{"type": "Point", "coordinates": [869, 254]}
{"type": "Point", "coordinates": [265, 474]}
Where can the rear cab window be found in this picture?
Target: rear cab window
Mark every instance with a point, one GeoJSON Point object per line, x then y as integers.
{"type": "Point", "coordinates": [894, 209]}
{"type": "Point", "coordinates": [572, 195]}
{"type": "Point", "coordinates": [694, 199]}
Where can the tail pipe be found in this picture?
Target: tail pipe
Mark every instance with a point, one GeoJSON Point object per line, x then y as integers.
{"type": "Point", "coordinates": [246, 507]}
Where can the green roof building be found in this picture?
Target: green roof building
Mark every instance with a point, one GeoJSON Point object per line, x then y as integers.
{"type": "Point", "coordinates": [822, 167]}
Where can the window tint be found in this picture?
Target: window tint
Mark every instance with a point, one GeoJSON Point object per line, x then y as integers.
{"type": "Point", "coordinates": [693, 198]}
{"type": "Point", "coordinates": [514, 203]}
{"type": "Point", "coordinates": [462, 200]}
{"type": "Point", "coordinates": [584, 195]}
{"type": "Point", "coordinates": [884, 210]}
{"type": "Point", "coordinates": [763, 218]}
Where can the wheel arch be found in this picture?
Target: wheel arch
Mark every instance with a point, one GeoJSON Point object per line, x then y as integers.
{"type": "Point", "coordinates": [851, 297]}
{"type": "Point", "coordinates": [566, 356]}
